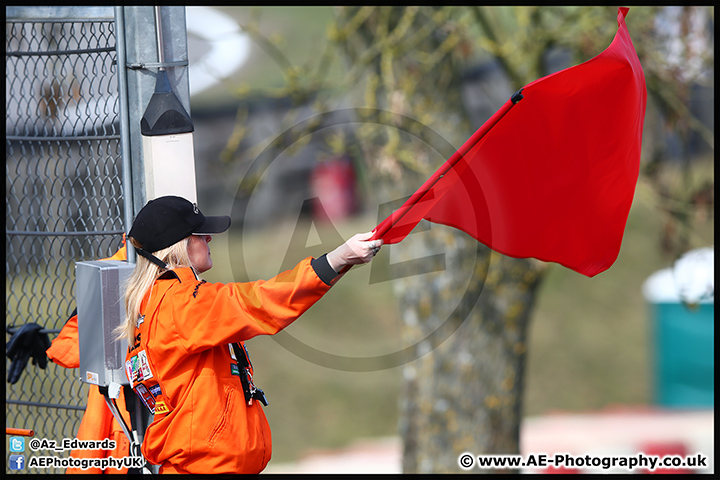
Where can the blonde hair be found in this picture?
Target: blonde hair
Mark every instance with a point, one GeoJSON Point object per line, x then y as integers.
{"type": "Point", "coordinates": [142, 279]}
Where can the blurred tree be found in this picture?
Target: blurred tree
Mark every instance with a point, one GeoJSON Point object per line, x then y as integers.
{"type": "Point", "coordinates": [464, 392]}
{"type": "Point", "coordinates": [406, 66]}
{"type": "Point", "coordinates": [677, 54]}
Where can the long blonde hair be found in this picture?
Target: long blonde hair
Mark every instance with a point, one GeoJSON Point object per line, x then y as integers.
{"type": "Point", "coordinates": [142, 279]}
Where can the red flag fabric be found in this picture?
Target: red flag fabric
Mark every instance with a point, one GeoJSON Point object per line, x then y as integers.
{"type": "Point", "coordinates": [552, 176]}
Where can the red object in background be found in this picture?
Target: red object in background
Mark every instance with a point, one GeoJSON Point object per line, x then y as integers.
{"type": "Point", "coordinates": [661, 449]}
{"type": "Point", "coordinates": [333, 184]}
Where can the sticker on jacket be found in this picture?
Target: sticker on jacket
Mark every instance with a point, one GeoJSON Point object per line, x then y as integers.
{"type": "Point", "coordinates": [161, 407]}
{"type": "Point", "coordinates": [132, 368]}
{"type": "Point", "coordinates": [137, 368]}
{"type": "Point", "coordinates": [144, 365]}
{"type": "Point", "coordinates": [232, 352]}
{"type": "Point", "coordinates": [146, 397]}
{"type": "Point", "coordinates": [155, 389]}
{"type": "Point", "coordinates": [129, 371]}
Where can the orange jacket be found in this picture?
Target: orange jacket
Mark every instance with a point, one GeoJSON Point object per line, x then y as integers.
{"type": "Point", "coordinates": [98, 423]}
{"type": "Point", "coordinates": [182, 363]}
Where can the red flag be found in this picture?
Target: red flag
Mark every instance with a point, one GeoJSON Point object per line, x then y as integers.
{"type": "Point", "coordinates": [552, 176]}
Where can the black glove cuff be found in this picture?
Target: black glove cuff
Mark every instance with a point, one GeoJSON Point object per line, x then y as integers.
{"type": "Point", "coordinates": [323, 269]}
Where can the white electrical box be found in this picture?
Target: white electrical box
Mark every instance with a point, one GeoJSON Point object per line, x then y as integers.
{"type": "Point", "coordinates": [100, 304]}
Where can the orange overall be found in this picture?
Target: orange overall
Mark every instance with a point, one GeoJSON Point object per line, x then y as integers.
{"type": "Point", "coordinates": [183, 366]}
{"type": "Point", "coordinates": [98, 423]}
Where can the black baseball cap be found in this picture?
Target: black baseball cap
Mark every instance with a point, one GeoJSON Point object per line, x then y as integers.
{"type": "Point", "coordinates": [164, 221]}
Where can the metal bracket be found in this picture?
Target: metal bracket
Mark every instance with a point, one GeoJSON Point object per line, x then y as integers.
{"type": "Point", "coordinates": [145, 66]}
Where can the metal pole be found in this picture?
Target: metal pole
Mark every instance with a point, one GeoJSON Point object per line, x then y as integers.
{"type": "Point", "coordinates": [142, 62]}
{"type": "Point", "coordinates": [124, 127]}
{"type": "Point", "coordinates": [159, 32]}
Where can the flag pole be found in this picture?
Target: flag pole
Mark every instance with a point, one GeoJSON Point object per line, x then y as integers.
{"type": "Point", "coordinates": [383, 228]}
{"type": "Point", "coordinates": [386, 225]}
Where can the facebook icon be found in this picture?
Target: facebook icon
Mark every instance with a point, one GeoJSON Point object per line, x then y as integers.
{"type": "Point", "coordinates": [17, 462]}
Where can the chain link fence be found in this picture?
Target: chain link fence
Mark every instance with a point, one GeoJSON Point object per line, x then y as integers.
{"type": "Point", "coordinates": [64, 193]}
